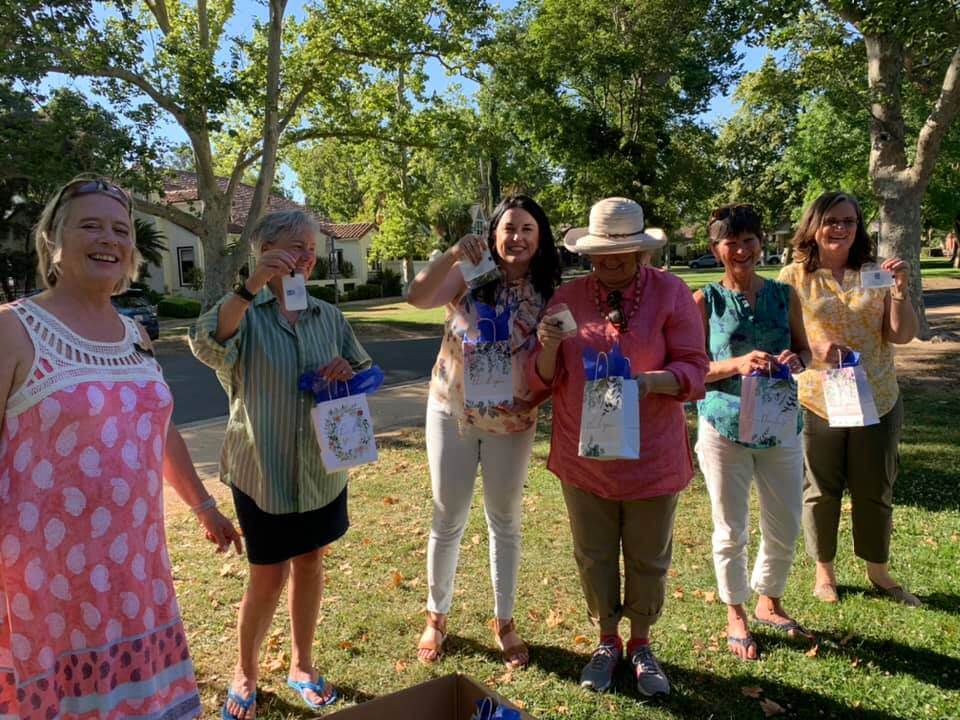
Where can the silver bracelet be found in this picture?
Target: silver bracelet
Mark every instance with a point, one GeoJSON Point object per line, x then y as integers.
{"type": "Point", "coordinates": [210, 502]}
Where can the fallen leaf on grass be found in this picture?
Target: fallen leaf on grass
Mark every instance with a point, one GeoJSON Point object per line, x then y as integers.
{"type": "Point", "coordinates": [931, 542]}
{"type": "Point", "coordinates": [678, 594]}
{"type": "Point", "coordinates": [672, 572]}
{"type": "Point", "coordinates": [955, 537]}
{"type": "Point", "coordinates": [475, 540]}
{"type": "Point", "coordinates": [228, 570]}
{"type": "Point", "coordinates": [400, 666]}
{"type": "Point", "coordinates": [710, 597]}
{"type": "Point", "coordinates": [561, 710]}
{"type": "Point", "coordinates": [855, 662]}
{"type": "Point", "coordinates": [346, 645]}
{"type": "Point", "coordinates": [581, 640]}
{"type": "Point", "coordinates": [698, 593]}
{"type": "Point", "coordinates": [554, 618]}
{"type": "Point", "coordinates": [770, 708]}
{"type": "Point", "coordinates": [534, 615]}
{"type": "Point", "coordinates": [505, 679]}
{"type": "Point", "coordinates": [752, 692]}
{"type": "Point", "coordinates": [847, 638]}
{"type": "Point", "coordinates": [396, 578]}
{"type": "Point", "coordinates": [390, 500]}
{"type": "Point", "coordinates": [277, 664]}
{"type": "Point", "coordinates": [813, 651]}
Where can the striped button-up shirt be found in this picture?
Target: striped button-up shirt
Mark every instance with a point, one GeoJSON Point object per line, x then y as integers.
{"type": "Point", "coordinates": [270, 452]}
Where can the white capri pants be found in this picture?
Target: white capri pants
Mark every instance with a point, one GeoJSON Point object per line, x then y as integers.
{"type": "Point", "coordinates": [728, 470]}
{"type": "Point", "coordinates": [453, 458]}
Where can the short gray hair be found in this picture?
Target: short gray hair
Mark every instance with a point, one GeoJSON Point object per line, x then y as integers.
{"type": "Point", "coordinates": [276, 225]}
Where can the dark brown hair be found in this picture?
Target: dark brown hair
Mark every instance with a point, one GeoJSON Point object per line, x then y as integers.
{"type": "Point", "coordinates": [544, 268]}
{"type": "Point", "coordinates": [805, 249]}
{"type": "Point", "coordinates": [733, 221]}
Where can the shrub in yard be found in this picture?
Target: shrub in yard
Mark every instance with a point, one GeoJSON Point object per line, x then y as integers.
{"type": "Point", "coordinates": [178, 307]}
{"type": "Point", "coordinates": [322, 292]}
{"type": "Point", "coordinates": [364, 292]}
{"type": "Point", "coordinates": [392, 283]}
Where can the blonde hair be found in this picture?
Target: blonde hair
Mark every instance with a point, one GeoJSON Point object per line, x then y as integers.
{"type": "Point", "coordinates": [48, 235]}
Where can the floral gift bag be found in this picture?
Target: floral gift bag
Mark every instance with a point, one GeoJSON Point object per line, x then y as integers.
{"type": "Point", "coordinates": [610, 413]}
{"type": "Point", "coordinates": [848, 396]}
{"type": "Point", "coordinates": [769, 409]}
{"type": "Point", "coordinates": [341, 419]}
{"type": "Point", "coordinates": [488, 361]}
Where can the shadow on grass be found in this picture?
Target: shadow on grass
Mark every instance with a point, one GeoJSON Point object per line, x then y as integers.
{"type": "Point", "coordinates": [286, 706]}
{"type": "Point", "coordinates": [943, 602]}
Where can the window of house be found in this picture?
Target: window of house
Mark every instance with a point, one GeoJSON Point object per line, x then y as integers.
{"type": "Point", "coordinates": [186, 260]}
{"type": "Point", "coordinates": [337, 260]}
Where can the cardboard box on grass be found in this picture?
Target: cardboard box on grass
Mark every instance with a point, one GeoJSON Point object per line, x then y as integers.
{"type": "Point", "coordinates": [452, 697]}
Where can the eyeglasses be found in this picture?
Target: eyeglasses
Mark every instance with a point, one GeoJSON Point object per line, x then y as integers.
{"type": "Point", "coordinates": [616, 316]}
{"type": "Point", "coordinates": [845, 224]}
{"type": "Point", "coordinates": [89, 187]}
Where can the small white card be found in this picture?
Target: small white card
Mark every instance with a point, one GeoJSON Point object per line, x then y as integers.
{"type": "Point", "coordinates": [480, 273]}
{"type": "Point", "coordinates": [562, 317]}
{"type": "Point", "coordinates": [875, 278]}
{"type": "Point", "coordinates": [294, 292]}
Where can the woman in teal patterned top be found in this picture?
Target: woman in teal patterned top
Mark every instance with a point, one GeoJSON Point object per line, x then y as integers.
{"type": "Point", "coordinates": [753, 326]}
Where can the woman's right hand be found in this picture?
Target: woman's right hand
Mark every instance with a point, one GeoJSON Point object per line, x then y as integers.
{"type": "Point", "coordinates": [272, 263]}
{"type": "Point", "coordinates": [755, 361]}
{"type": "Point", "coordinates": [470, 246]}
{"type": "Point", "coordinates": [550, 334]}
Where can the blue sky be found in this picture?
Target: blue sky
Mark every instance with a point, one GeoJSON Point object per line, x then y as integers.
{"type": "Point", "coordinates": [721, 106]}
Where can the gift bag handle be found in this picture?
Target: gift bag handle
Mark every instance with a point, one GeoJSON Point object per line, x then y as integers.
{"type": "Point", "coordinates": [596, 368]}
{"type": "Point", "coordinates": [346, 384]}
{"type": "Point", "coordinates": [489, 320]}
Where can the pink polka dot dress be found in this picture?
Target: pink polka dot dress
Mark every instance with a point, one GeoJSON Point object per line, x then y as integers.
{"type": "Point", "coordinates": [89, 624]}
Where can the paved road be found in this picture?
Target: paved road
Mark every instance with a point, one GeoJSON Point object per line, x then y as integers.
{"type": "Point", "coordinates": [941, 298]}
{"type": "Point", "coordinates": [198, 396]}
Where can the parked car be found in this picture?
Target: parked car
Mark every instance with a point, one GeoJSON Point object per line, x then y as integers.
{"type": "Point", "coordinates": [772, 259]}
{"type": "Point", "coordinates": [704, 261]}
{"type": "Point", "coordinates": [135, 303]}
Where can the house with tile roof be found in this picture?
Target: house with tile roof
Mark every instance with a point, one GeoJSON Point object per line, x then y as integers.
{"type": "Point", "coordinates": [348, 242]}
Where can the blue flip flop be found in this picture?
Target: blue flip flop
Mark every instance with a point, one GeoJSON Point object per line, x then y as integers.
{"type": "Point", "coordinates": [302, 686]}
{"type": "Point", "coordinates": [244, 703]}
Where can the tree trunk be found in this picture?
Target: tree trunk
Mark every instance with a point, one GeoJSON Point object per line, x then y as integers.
{"type": "Point", "coordinates": [900, 238]}
{"type": "Point", "coordinates": [219, 267]}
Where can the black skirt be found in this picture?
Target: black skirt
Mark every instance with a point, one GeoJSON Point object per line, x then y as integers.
{"type": "Point", "coordinates": [271, 539]}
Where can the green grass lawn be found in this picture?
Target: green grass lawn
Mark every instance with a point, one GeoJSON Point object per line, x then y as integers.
{"type": "Point", "coordinates": [874, 660]}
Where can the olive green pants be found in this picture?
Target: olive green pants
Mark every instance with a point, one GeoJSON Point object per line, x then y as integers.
{"type": "Point", "coordinates": [862, 460]}
{"type": "Point", "coordinates": [644, 528]}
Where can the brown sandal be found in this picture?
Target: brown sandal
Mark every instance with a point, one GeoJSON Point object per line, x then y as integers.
{"type": "Point", "coordinates": [435, 649]}
{"type": "Point", "coordinates": [516, 656]}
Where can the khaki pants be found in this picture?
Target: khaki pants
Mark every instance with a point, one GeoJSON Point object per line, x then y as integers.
{"type": "Point", "coordinates": [645, 530]}
{"type": "Point", "coordinates": [864, 461]}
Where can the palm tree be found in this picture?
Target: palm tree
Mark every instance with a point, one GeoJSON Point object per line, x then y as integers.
{"type": "Point", "coordinates": [151, 244]}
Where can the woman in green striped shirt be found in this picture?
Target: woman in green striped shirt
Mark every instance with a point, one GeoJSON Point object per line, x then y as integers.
{"type": "Point", "coordinates": [289, 508]}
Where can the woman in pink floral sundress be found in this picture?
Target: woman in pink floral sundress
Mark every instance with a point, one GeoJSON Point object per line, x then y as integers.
{"type": "Point", "coordinates": [89, 624]}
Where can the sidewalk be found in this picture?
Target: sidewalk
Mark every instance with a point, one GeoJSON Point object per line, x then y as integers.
{"type": "Point", "coordinates": [399, 406]}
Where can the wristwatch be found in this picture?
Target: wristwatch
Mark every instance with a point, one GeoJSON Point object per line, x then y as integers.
{"type": "Point", "coordinates": [241, 289]}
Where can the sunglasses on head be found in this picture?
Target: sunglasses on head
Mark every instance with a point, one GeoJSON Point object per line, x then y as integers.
{"type": "Point", "coordinates": [91, 187]}
{"type": "Point", "coordinates": [729, 211]}
{"type": "Point", "coordinates": [616, 315]}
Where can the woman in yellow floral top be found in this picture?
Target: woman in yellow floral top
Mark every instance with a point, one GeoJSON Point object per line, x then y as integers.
{"type": "Point", "coordinates": [831, 246]}
{"type": "Point", "coordinates": [497, 437]}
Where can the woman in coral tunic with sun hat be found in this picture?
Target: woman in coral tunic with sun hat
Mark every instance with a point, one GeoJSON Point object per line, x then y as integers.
{"type": "Point", "coordinates": [89, 624]}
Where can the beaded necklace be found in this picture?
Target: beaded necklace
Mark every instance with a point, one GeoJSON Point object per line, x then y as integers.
{"type": "Point", "coordinates": [618, 316]}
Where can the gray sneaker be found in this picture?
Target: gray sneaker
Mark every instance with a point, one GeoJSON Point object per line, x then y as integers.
{"type": "Point", "coordinates": [597, 674]}
{"type": "Point", "coordinates": [650, 677]}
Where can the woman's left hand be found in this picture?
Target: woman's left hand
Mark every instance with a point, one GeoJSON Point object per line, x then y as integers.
{"type": "Point", "coordinates": [900, 270]}
{"type": "Point", "coordinates": [792, 361]}
{"type": "Point", "coordinates": [643, 385]}
{"type": "Point", "coordinates": [219, 530]}
{"type": "Point", "coordinates": [336, 369]}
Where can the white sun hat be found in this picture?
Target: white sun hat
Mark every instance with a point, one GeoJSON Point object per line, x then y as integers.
{"type": "Point", "coordinates": [616, 226]}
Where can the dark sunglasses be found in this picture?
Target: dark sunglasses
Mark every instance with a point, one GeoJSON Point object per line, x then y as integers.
{"type": "Point", "coordinates": [616, 315]}
{"type": "Point", "coordinates": [729, 211]}
{"type": "Point", "coordinates": [90, 187]}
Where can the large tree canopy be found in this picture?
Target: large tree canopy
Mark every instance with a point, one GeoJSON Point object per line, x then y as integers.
{"type": "Point", "coordinates": [241, 99]}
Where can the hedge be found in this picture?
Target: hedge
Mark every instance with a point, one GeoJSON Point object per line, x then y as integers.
{"type": "Point", "coordinates": [322, 292]}
{"type": "Point", "coordinates": [174, 306]}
